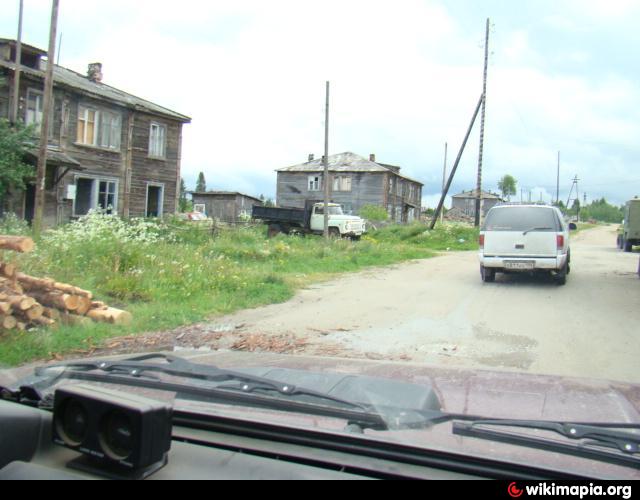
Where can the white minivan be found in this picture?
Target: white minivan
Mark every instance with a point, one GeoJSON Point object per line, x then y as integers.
{"type": "Point", "coordinates": [525, 238]}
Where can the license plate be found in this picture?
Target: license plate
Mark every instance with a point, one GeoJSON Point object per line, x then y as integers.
{"type": "Point", "coordinates": [521, 266]}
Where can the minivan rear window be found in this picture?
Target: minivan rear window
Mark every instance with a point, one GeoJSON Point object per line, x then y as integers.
{"type": "Point", "coordinates": [522, 219]}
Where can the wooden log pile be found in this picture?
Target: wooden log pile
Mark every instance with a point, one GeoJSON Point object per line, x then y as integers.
{"type": "Point", "coordinates": [27, 301]}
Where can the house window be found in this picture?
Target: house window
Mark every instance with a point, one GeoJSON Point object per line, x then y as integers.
{"type": "Point", "coordinates": [315, 183]}
{"type": "Point", "coordinates": [94, 193]}
{"type": "Point", "coordinates": [342, 183]}
{"type": "Point", "coordinates": [155, 200]}
{"type": "Point", "coordinates": [157, 140]}
{"type": "Point", "coordinates": [35, 106]}
{"type": "Point", "coordinates": [98, 128]}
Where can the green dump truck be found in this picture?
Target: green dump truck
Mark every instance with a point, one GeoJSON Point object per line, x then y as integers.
{"type": "Point", "coordinates": [630, 231]}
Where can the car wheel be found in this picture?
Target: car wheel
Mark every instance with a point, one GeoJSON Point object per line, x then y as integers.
{"type": "Point", "coordinates": [561, 276]}
{"type": "Point", "coordinates": [487, 275]}
{"type": "Point", "coordinates": [628, 246]}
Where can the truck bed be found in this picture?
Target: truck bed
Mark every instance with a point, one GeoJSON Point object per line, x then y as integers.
{"type": "Point", "coordinates": [290, 216]}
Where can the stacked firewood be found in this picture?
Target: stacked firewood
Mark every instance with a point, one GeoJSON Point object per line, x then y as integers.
{"type": "Point", "coordinates": [27, 301]}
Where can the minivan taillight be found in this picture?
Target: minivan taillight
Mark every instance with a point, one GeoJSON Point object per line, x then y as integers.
{"type": "Point", "coordinates": [560, 240]}
{"type": "Point", "coordinates": [481, 241]}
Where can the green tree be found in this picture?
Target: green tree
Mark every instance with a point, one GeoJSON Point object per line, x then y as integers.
{"type": "Point", "coordinates": [201, 185]}
{"type": "Point", "coordinates": [15, 141]}
{"type": "Point", "coordinates": [508, 186]}
{"type": "Point", "coordinates": [184, 204]}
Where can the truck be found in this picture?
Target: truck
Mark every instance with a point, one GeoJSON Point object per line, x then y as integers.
{"type": "Point", "coordinates": [310, 220]}
{"type": "Point", "coordinates": [629, 236]}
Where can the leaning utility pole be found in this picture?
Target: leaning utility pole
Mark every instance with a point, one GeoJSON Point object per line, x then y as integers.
{"type": "Point", "coordinates": [482, 120]}
{"type": "Point", "coordinates": [444, 177]}
{"type": "Point", "coordinates": [44, 130]}
{"type": "Point", "coordinates": [13, 117]}
{"type": "Point", "coordinates": [325, 161]}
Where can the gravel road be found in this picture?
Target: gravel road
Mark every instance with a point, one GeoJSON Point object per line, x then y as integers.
{"type": "Point", "coordinates": [437, 311]}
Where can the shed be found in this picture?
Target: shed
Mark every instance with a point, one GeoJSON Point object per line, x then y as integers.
{"type": "Point", "coordinates": [226, 206]}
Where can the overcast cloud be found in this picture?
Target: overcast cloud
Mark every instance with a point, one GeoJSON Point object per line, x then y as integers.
{"type": "Point", "coordinates": [405, 78]}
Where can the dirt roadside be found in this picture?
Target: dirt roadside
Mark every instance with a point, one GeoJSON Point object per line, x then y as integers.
{"type": "Point", "coordinates": [437, 311]}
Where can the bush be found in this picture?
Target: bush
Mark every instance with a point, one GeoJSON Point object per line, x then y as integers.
{"type": "Point", "coordinates": [10, 224]}
{"type": "Point", "coordinates": [374, 213]}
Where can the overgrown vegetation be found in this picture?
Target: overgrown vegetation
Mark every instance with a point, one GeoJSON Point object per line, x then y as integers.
{"type": "Point", "coordinates": [15, 141]}
{"type": "Point", "coordinates": [173, 273]}
{"type": "Point", "coordinates": [374, 213]}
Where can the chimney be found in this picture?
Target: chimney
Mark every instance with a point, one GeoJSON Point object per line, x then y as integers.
{"type": "Point", "coordinates": [372, 158]}
{"type": "Point", "coordinates": [94, 73]}
{"type": "Point", "coordinates": [311, 157]}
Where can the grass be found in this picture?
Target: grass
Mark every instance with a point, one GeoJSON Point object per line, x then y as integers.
{"type": "Point", "coordinates": [173, 275]}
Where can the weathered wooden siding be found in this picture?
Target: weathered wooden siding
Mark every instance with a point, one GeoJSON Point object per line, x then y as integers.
{"type": "Point", "coordinates": [367, 188]}
{"type": "Point", "coordinates": [130, 166]}
{"type": "Point", "coordinates": [226, 207]}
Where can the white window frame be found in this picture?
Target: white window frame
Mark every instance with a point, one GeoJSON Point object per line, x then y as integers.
{"type": "Point", "coordinates": [314, 183]}
{"type": "Point", "coordinates": [100, 118]}
{"type": "Point", "coordinates": [157, 142]}
{"type": "Point", "coordinates": [146, 199]}
{"type": "Point", "coordinates": [200, 208]}
{"type": "Point", "coordinates": [95, 192]}
{"type": "Point", "coordinates": [342, 183]}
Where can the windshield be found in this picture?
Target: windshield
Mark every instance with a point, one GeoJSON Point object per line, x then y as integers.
{"type": "Point", "coordinates": [452, 131]}
{"type": "Point", "coordinates": [332, 211]}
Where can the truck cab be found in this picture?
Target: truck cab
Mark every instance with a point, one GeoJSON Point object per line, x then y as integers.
{"type": "Point", "coordinates": [339, 223]}
{"type": "Point", "coordinates": [630, 236]}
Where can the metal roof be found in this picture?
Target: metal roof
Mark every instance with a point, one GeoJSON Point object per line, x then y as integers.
{"type": "Point", "coordinates": [68, 78]}
{"type": "Point", "coordinates": [223, 193]}
{"type": "Point", "coordinates": [345, 162]}
{"type": "Point", "coordinates": [473, 194]}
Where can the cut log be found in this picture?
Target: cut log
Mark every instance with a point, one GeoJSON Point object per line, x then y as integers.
{"type": "Point", "coordinates": [17, 244]}
{"type": "Point", "coordinates": [74, 320]}
{"type": "Point", "coordinates": [21, 302]}
{"type": "Point", "coordinates": [111, 315]}
{"type": "Point", "coordinates": [8, 322]}
{"type": "Point", "coordinates": [8, 270]}
{"type": "Point", "coordinates": [57, 300]}
{"type": "Point", "coordinates": [5, 308]}
{"type": "Point", "coordinates": [84, 304]}
{"type": "Point", "coordinates": [97, 304]}
{"type": "Point", "coordinates": [45, 284]}
{"type": "Point", "coordinates": [52, 313]}
{"type": "Point", "coordinates": [34, 313]}
{"type": "Point", "coordinates": [42, 321]}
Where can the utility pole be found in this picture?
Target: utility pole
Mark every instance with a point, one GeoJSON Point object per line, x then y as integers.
{"type": "Point", "coordinates": [482, 121]}
{"type": "Point", "coordinates": [558, 182]}
{"type": "Point", "coordinates": [46, 114]}
{"type": "Point", "coordinates": [16, 74]}
{"type": "Point", "coordinates": [326, 166]}
{"type": "Point", "coordinates": [444, 178]}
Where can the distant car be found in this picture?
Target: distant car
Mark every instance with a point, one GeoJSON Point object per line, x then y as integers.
{"type": "Point", "coordinates": [525, 238]}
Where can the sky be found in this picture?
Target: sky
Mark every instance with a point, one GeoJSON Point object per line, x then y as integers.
{"type": "Point", "coordinates": [405, 79]}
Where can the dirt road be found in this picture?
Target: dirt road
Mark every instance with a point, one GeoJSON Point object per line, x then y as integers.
{"type": "Point", "coordinates": [438, 311]}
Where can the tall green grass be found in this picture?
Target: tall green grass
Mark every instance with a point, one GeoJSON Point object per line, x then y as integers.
{"type": "Point", "coordinates": [173, 274]}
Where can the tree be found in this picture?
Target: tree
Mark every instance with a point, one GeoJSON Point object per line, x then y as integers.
{"type": "Point", "coordinates": [508, 186]}
{"type": "Point", "coordinates": [201, 185]}
{"type": "Point", "coordinates": [184, 205]}
{"type": "Point", "coordinates": [15, 141]}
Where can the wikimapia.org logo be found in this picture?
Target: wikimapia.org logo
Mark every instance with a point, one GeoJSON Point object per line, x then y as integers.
{"type": "Point", "coordinates": [581, 491]}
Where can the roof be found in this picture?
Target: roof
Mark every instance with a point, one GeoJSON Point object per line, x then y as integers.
{"type": "Point", "coordinates": [486, 195]}
{"type": "Point", "coordinates": [346, 162]}
{"type": "Point", "coordinates": [68, 78]}
{"type": "Point", "coordinates": [56, 158]}
{"type": "Point", "coordinates": [223, 193]}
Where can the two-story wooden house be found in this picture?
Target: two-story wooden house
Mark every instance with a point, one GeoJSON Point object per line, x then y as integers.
{"type": "Point", "coordinates": [354, 183]}
{"type": "Point", "coordinates": [107, 149]}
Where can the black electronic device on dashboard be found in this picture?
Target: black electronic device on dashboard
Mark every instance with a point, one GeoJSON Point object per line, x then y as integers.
{"type": "Point", "coordinates": [119, 434]}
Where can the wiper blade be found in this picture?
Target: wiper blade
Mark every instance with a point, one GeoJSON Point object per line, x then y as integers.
{"type": "Point", "coordinates": [139, 372]}
{"type": "Point", "coordinates": [594, 440]}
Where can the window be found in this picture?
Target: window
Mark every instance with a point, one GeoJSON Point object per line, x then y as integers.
{"type": "Point", "coordinates": [35, 106]}
{"type": "Point", "coordinates": [315, 183]}
{"type": "Point", "coordinates": [98, 128]}
{"type": "Point", "coordinates": [94, 193]}
{"type": "Point", "coordinates": [157, 140]}
{"type": "Point", "coordinates": [342, 183]}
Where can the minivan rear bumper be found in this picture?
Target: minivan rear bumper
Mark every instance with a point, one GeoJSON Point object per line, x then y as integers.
{"type": "Point", "coordinates": [542, 263]}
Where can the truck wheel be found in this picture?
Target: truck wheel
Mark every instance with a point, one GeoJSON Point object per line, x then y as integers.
{"type": "Point", "coordinates": [334, 233]}
{"type": "Point", "coordinates": [273, 231]}
{"type": "Point", "coordinates": [628, 246]}
{"type": "Point", "coordinates": [487, 275]}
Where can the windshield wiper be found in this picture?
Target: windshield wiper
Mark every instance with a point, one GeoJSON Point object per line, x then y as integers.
{"type": "Point", "coordinates": [594, 440]}
{"type": "Point", "coordinates": [537, 229]}
{"type": "Point", "coordinates": [205, 382]}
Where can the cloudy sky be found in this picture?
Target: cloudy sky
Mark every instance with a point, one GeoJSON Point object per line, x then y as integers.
{"type": "Point", "coordinates": [405, 78]}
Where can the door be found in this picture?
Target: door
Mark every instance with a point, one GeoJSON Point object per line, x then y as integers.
{"type": "Point", "coordinates": [30, 203]}
{"type": "Point", "coordinates": [155, 197]}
